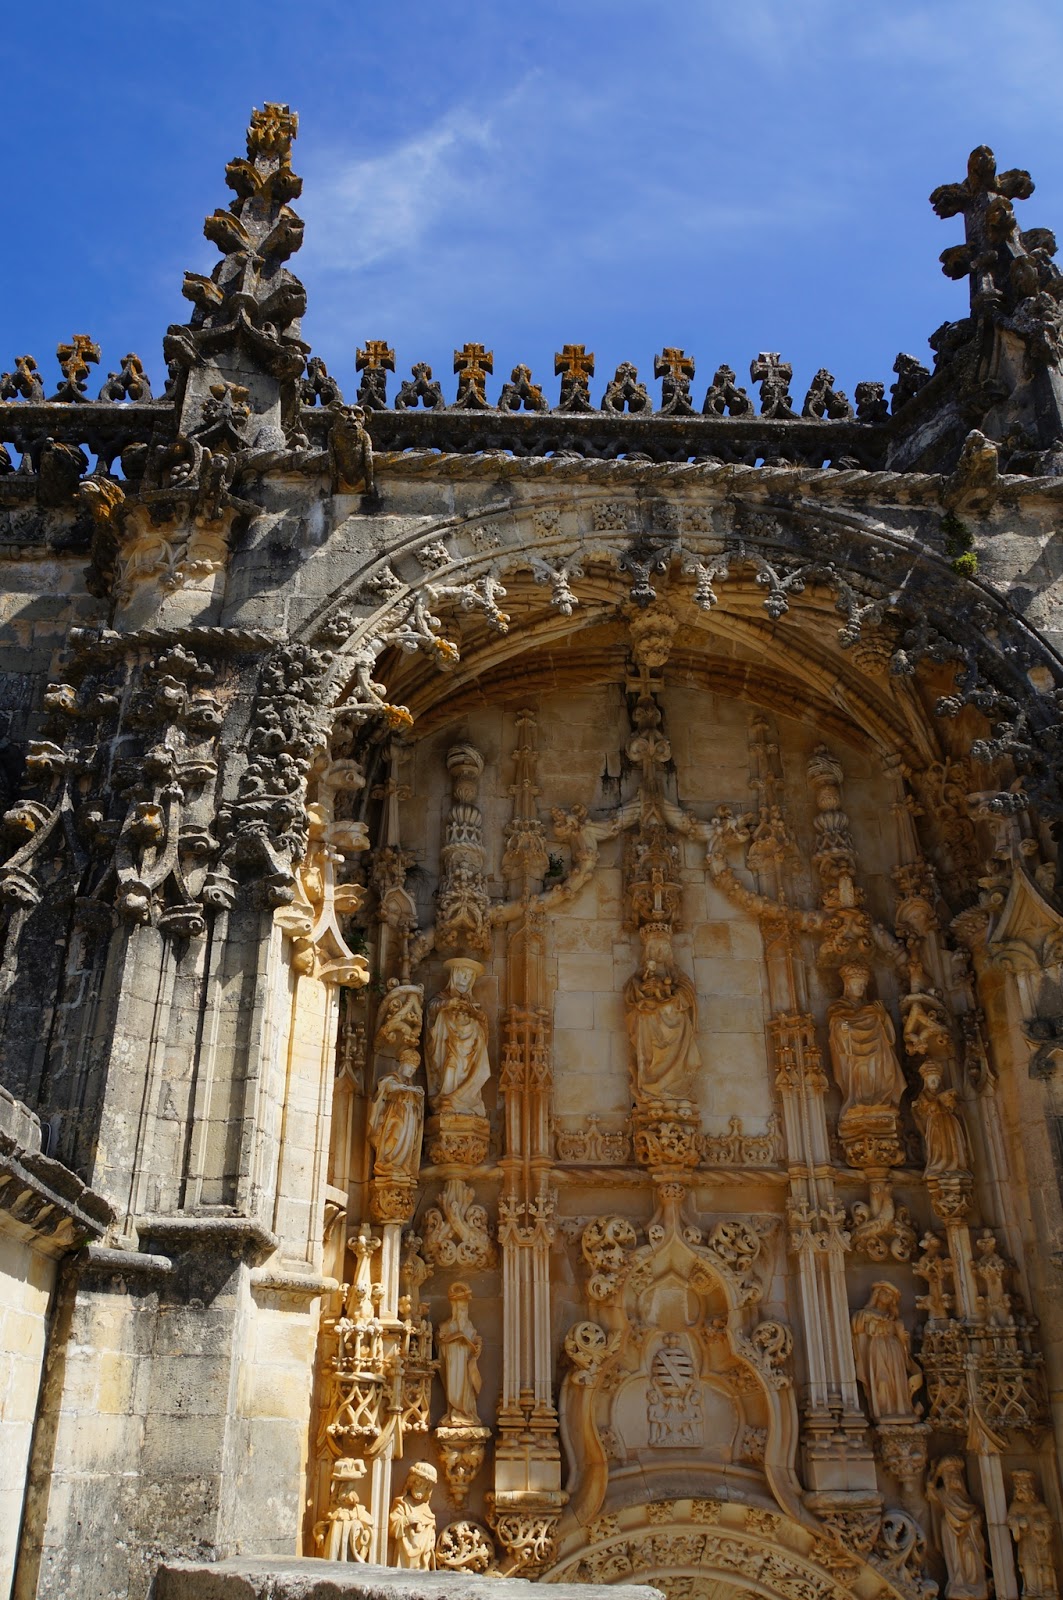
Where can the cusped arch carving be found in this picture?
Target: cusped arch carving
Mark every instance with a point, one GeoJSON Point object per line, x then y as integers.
{"type": "Point", "coordinates": [861, 593]}
{"type": "Point", "coordinates": [685, 1302]}
{"type": "Point", "coordinates": [707, 1548]}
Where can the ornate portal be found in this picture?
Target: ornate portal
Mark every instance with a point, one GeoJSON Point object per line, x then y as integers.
{"type": "Point", "coordinates": [532, 968]}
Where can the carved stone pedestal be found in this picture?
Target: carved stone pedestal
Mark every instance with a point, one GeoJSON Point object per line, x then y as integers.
{"type": "Point", "coordinates": [902, 1451]}
{"type": "Point", "coordinates": [667, 1138]}
{"type": "Point", "coordinates": [392, 1199]}
{"type": "Point", "coordinates": [871, 1138]}
{"type": "Point", "coordinates": [950, 1195]}
{"type": "Point", "coordinates": [461, 1455]}
{"type": "Point", "coordinates": [457, 1139]}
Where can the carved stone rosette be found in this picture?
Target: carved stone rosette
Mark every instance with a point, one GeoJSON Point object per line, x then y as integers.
{"type": "Point", "coordinates": [464, 1546]}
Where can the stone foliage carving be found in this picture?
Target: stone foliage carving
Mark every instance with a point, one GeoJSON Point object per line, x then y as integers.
{"type": "Point", "coordinates": [462, 920]}
{"type": "Point", "coordinates": [251, 300]}
{"type": "Point", "coordinates": [592, 1144]}
{"type": "Point", "coordinates": [266, 826]}
{"type": "Point", "coordinates": [457, 1233]}
{"type": "Point", "coordinates": [464, 1547]}
{"type": "Point", "coordinates": [606, 1245]}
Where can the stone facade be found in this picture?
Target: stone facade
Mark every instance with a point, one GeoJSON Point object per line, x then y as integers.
{"type": "Point", "coordinates": [534, 933]}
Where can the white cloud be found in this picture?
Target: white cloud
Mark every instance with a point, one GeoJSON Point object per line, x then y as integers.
{"type": "Point", "coordinates": [360, 212]}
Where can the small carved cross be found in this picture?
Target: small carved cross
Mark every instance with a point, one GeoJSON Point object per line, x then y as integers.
{"type": "Point", "coordinates": [472, 363]}
{"type": "Point", "coordinates": [374, 360]}
{"type": "Point", "coordinates": [676, 368]}
{"type": "Point", "coordinates": [373, 356]}
{"type": "Point", "coordinates": [74, 359]}
{"type": "Point", "coordinates": [773, 374]}
{"type": "Point", "coordinates": [575, 366]}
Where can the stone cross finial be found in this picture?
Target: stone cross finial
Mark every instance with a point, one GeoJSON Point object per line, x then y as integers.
{"type": "Point", "coordinates": [575, 366]}
{"type": "Point", "coordinates": [374, 360]}
{"type": "Point", "coordinates": [74, 359]}
{"type": "Point", "coordinates": [984, 199]}
{"type": "Point", "coordinates": [773, 374]}
{"type": "Point", "coordinates": [271, 130]}
{"type": "Point", "coordinates": [472, 363]}
{"type": "Point", "coordinates": [676, 370]}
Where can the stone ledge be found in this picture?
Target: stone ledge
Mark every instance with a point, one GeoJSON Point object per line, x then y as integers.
{"type": "Point", "coordinates": [186, 1231]}
{"type": "Point", "coordinates": [39, 1194]}
{"type": "Point", "coordinates": [274, 1578]}
{"type": "Point", "coordinates": [98, 1260]}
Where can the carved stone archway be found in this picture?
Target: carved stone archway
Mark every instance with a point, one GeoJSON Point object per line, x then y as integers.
{"type": "Point", "coordinates": [714, 1549]}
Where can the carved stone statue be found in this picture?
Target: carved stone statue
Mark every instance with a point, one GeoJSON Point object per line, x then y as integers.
{"type": "Point", "coordinates": [346, 1532]}
{"type": "Point", "coordinates": [350, 450]}
{"type": "Point", "coordinates": [862, 1050]}
{"type": "Point", "coordinates": [412, 1523]}
{"type": "Point", "coordinates": [662, 1027]}
{"type": "Point", "coordinates": [1030, 1524]}
{"type": "Point", "coordinates": [944, 1137]}
{"type": "Point", "coordinates": [396, 1121]}
{"type": "Point", "coordinates": [459, 1347]}
{"type": "Point", "coordinates": [959, 1531]}
{"type": "Point", "coordinates": [456, 1046]}
{"type": "Point", "coordinates": [884, 1363]}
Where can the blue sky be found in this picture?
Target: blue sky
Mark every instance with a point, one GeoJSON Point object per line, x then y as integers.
{"type": "Point", "coordinates": [729, 177]}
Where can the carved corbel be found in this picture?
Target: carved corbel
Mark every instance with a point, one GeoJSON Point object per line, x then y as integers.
{"type": "Point", "coordinates": [319, 946]}
{"type": "Point", "coordinates": [880, 1227]}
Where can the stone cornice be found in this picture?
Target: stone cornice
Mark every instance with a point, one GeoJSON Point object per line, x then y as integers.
{"type": "Point", "coordinates": [40, 1195]}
